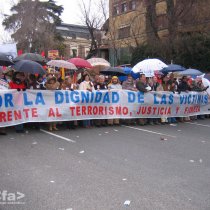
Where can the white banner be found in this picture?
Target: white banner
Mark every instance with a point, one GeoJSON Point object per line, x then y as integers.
{"type": "Point", "coordinates": [45, 106]}
{"type": "Point", "coordinates": [9, 49]}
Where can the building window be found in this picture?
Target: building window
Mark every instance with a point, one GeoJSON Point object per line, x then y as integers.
{"type": "Point", "coordinates": [132, 5]}
{"type": "Point", "coordinates": [124, 7]}
{"type": "Point", "coordinates": [87, 52]}
{"type": "Point", "coordinates": [74, 52]}
{"type": "Point", "coordinates": [124, 32]}
{"type": "Point", "coordinates": [116, 10]}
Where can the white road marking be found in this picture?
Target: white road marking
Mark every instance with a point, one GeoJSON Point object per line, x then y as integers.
{"type": "Point", "coordinates": [58, 136]}
{"type": "Point", "coordinates": [148, 131]}
{"type": "Point", "coordinates": [127, 203]}
{"type": "Point", "coordinates": [81, 152]}
{"type": "Point", "coordinates": [198, 124]}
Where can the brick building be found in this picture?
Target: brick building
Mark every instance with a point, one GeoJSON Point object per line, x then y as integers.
{"type": "Point", "coordinates": [77, 39]}
{"type": "Point", "coordinates": [132, 22]}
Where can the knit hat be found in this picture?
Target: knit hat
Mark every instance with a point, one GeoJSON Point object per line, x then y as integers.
{"type": "Point", "coordinates": [114, 77]}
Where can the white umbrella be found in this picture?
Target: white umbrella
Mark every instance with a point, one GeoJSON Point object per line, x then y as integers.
{"type": "Point", "coordinates": [98, 62]}
{"type": "Point", "coordinates": [62, 64]}
{"type": "Point", "coordinates": [206, 83]}
{"type": "Point", "coordinates": [148, 66]}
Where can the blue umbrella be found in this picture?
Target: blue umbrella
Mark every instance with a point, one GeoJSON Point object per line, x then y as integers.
{"type": "Point", "coordinates": [28, 66]}
{"type": "Point", "coordinates": [127, 71]}
{"type": "Point", "coordinates": [172, 68]}
{"type": "Point", "coordinates": [191, 72]}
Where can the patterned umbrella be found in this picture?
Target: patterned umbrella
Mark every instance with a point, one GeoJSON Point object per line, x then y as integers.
{"type": "Point", "coordinates": [62, 64]}
{"type": "Point", "coordinates": [30, 67]}
{"type": "Point", "coordinates": [32, 57]}
{"type": "Point", "coordinates": [80, 63]}
{"type": "Point", "coordinates": [98, 62]}
{"type": "Point", "coordinates": [4, 60]}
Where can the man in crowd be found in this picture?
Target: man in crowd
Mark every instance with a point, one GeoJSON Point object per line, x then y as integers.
{"type": "Point", "coordinates": [142, 86]}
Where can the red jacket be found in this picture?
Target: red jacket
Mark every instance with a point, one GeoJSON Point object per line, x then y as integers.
{"type": "Point", "coordinates": [13, 85]}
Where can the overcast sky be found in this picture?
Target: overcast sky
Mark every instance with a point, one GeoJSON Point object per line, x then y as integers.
{"type": "Point", "coordinates": [71, 12]}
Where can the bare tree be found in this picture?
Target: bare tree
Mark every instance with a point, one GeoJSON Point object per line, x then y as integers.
{"type": "Point", "coordinates": [94, 16]}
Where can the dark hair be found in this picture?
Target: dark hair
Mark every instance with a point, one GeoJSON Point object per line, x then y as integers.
{"type": "Point", "coordinates": [83, 77]}
{"type": "Point", "coordinates": [15, 75]}
{"type": "Point", "coordinates": [141, 75]}
{"type": "Point", "coordinates": [32, 77]}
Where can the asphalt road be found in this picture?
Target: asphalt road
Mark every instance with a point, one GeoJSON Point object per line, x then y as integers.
{"type": "Point", "coordinates": [101, 168]}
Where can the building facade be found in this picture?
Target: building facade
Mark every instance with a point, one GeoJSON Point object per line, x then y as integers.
{"type": "Point", "coordinates": [133, 22]}
{"type": "Point", "coordinates": [77, 39]}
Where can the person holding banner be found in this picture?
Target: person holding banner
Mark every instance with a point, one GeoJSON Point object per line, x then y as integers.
{"type": "Point", "coordinates": [184, 86]}
{"type": "Point", "coordinates": [52, 84]}
{"type": "Point", "coordinates": [155, 86]}
{"type": "Point", "coordinates": [114, 85]}
{"type": "Point", "coordinates": [129, 84]}
{"type": "Point", "coordinates": [87, 85]}
{"type": "Point", "coordinates": [69, 85]}
{"type": "Point", "coordinates": [100, 85]}
{"type": "Point", "coordinates": [3, 86]}
{"type": "Point", "coordinates": [142, 86]}
{"type": "Point", "coordinates": [18, 83]}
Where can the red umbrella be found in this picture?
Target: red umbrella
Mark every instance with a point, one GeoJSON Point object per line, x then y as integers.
{"type": "Point", "coordinates": [80, 63]}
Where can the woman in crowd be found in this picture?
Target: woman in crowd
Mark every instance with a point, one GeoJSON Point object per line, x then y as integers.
{"type": "Point", "coordinates": [100, 85]}
{"type": "Point", "coordinates": [52, 84]}
{"type": "Point", "coordinates": [129, 84]}
{"type": "Point", "coordinates": [87, 85]}
{"type": "Point", "coordinates": [114, 85]}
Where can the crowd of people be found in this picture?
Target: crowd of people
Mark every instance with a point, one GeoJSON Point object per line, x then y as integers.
{"type": "Point", "coordinates": [53, 81]}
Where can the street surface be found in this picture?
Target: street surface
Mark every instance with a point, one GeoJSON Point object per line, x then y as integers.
{"type": "Point", "coordinates": [154, 167]}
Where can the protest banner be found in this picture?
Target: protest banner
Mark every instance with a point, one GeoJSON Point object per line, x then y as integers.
{"type": "Point", "coordinates": [60, 105]}
{"type": "Point", "coordinates": [53, 54]}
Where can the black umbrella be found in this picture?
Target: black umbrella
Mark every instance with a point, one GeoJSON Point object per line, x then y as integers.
{"type": "Point", "coordinates": [114, 71]}
{"type": "Point", "coordinates": [172, 68]}
{"type": "Point", "coordinates": [30, 67]}
{"type": "Point", "coordinates": [32, 57]}
{"type": "Point", "coordinates": [4, 60]}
